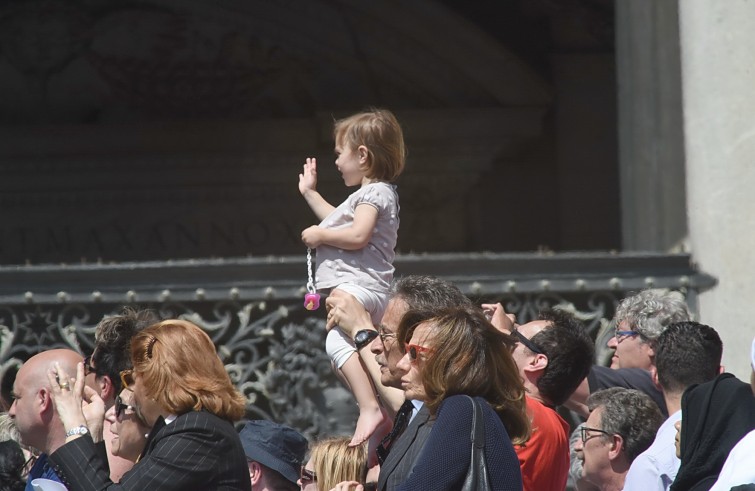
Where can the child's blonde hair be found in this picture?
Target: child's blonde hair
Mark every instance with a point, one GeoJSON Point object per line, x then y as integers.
{"type": "Point", "coordinates": [379, 131]}
{"type": "Point", "coordinates": [335, 461]}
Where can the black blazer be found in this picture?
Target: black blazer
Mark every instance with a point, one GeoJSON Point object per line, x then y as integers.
{"type": "Point", "coordinates": [196, 451]}
{"type": "Point", "coordinates": [404, 452]}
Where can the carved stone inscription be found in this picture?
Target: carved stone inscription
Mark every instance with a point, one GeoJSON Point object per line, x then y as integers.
{"type": "Point", "coordinates": [175, 129]}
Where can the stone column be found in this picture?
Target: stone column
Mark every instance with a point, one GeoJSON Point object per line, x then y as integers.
{"type": "Point", "coordinates": [718, 70]}
{"type": "Point", "coordinates": [651, 144]}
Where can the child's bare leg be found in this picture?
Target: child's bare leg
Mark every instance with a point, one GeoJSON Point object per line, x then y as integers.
{"type": "Point", "coordinates": [370, 413]}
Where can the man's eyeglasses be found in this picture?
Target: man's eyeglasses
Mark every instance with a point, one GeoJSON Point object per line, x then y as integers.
{"type": "Point", "coordinates": [88, 368]}
{"type": "Point", "coordinates": [307, 476]}
{"type": "Point", "coordinates": [529, 344]}
{"type": "Point", "coordinates": [120, 406]}
{"type": "Point", "coordinates": [584, 433]}
{"type": "Point", "coordinates": [127, 378]}
{"type": "Point", "coordinates": [621, 335]}
{"type": "Point", "coordinates": [385, 335]}
{"type": "Point", "coordinates": [414, 350]}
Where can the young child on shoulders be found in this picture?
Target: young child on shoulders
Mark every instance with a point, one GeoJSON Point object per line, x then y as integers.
{"type": "Point", "coordinates": [355, 241]}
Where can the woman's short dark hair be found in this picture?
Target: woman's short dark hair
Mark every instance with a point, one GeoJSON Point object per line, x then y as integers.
{"type": "Point", "coordinates": [112, 351]}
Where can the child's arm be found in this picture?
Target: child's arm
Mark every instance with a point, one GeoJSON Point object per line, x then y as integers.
{"type": "Point", "coordinates": [352, 238]}
{"type": "Point", "coordinates": [307, 188]}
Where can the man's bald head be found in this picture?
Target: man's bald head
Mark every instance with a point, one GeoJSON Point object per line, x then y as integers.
{"type": "Point", "coordinates": [35, 369]}
{"type": "Point", "coordinates": [33, 409]}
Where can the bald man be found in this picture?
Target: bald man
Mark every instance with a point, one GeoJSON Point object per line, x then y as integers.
{"type": "Point", "coordinates": [34, 412]}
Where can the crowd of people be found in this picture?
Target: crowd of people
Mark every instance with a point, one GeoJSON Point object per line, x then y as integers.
{"type": "Point", "coordinates": [452, 395]}
{"type": "Point", "coordinates": [140, 413]}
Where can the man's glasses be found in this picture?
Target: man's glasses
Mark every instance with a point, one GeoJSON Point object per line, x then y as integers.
{"type": "Point", "coordinates": [584, 433]}
{"type": "Point", "coordinates": [385, 335]}
{"type": "Point", "coordinates": [621, 335]}
{"type": "Point", "coordinates": [529, 344]}
{"type": "Point", "coordinates": [88, 368]}
{"type": "Point", "coordinates": [414, 350]}
{"type": "Point", "coordinates": [307, 476]}
{"type": "Point", "coordinates": [127, 378]}
{"type": "Point", "coordinates": [120, 406]}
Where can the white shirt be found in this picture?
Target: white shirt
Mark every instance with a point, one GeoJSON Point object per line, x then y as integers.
{"type": "Point", "coordinates": [417, 406]}
{"type": "Point", "coordinates": [738, 468]}
{"type": "Point", "coordinates": [656, 467]}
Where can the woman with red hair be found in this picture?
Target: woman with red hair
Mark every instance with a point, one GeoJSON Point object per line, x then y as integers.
{"type": "Point", "coordinates": [182, 391]}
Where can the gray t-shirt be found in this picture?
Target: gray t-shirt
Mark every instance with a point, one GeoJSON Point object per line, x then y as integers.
{"type": "Point", "coordinates": [372, 266]}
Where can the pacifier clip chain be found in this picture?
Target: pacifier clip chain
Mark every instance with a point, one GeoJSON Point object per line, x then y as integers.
{"type": "Point", "coordinates": [312, 298]}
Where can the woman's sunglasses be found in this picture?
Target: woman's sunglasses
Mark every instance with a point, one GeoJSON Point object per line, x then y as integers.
{"type": "Point", "coordinates": [307, 476]}
{"type": "Point", "coordinates": [414, 350]}
{"type": "Point", "coordinates": [120, 406]}
{"type": "Point", "coordinates": [127, 378]}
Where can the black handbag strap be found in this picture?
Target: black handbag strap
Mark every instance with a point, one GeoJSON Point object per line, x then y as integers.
{"type": "Point", "coordinates": [478, 427]}
{"type": "Point", "coordinates": [477, 475]}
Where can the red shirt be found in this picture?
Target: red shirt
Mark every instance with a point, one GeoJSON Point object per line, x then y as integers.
{"type": "Point", "coordinates": [544, 459]}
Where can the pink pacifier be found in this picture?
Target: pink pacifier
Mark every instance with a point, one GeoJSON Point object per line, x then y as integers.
{"type": "Point", "coordinates": [312, 298]}
{"type": "Point", "coordinates": [312, 301]}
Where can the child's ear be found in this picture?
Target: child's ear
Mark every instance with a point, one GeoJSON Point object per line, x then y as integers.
{"type": "Point", "coordinates": [363, 154]}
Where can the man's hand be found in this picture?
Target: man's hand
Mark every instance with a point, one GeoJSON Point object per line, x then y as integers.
{"type": "Point", "coordinates": [499, 318]}
{"type": "Point", "coordinates": [93, 408]}
{"type": "Point", "coordinates": [68, 394]}
{"type": "Point", "coordinates": [345, 311]}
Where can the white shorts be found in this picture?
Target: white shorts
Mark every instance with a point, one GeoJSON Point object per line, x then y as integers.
{"type": "Point", "coordinates": [338, 345]}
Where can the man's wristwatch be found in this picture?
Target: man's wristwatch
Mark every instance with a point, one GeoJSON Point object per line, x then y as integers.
{"type": "Point", "coordinates": [364, 337]}
{"type": "Point", "coordinates": [79, 430]}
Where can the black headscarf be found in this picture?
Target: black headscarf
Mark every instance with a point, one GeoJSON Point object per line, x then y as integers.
{"type": "Point", "coordinates": [715, 416]}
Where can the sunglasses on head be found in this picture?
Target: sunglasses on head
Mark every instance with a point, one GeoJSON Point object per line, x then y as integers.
{"type": "Point", "coordinates": [414, 350]}
{"type": "Point", "coordinates": [120, 406]}
{"type": "Point", "coordinates": [307, 476]}
{"type": "Point", "coordinates": [525, 341]}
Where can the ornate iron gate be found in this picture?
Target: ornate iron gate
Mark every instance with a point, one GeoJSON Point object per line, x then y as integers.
{"type": "Point", "coordinates": [272, 347]}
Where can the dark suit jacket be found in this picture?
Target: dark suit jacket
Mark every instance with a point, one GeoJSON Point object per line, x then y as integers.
{"type": "Point", "coordinates": [404, 452]}
{"type": "Point", "coordinates": [196, 451]}
{"type": "Point", "coordinates": [444, 461]}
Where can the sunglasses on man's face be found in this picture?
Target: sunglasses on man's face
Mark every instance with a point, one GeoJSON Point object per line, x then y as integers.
{"type": "Point", "coordinates": [307, 476]}
{"type": "Point", "coordinates": [120, 406]}
{"type": "Point", "coordinates": [88, 368]}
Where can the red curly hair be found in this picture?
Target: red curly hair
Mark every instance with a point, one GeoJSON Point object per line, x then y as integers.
{"type": "Point", "coordinates": [180, 369]}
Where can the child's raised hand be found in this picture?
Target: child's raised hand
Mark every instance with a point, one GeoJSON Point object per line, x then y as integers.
{"type": "Point", "coordinates": [312, 236]}
{"type": "Point", "coordinates": [308, 177]}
